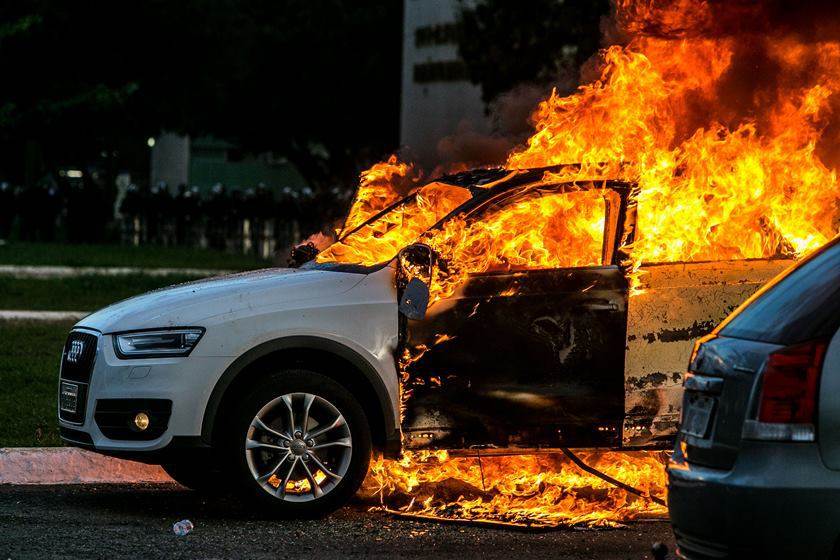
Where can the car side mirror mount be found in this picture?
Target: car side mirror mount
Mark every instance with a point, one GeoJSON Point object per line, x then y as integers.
{"type": "Point", "coordinates": [416, 266]}
{"type": "Point", "coordinates": [415, 299]}
{"type": "Point", "coordinates": [302, 254]}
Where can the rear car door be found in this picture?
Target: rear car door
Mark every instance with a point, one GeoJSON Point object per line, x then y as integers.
{"type": "Point", "coordinates": [528, 351]}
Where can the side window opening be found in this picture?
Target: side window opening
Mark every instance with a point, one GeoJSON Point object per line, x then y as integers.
{"type": "Point", "coordinates": [536, 229]}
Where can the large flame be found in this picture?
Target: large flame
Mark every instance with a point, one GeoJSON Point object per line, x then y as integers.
{"type": "Point", "coordinates": [726, 114]}
{"type": "Point", "coordinates": [529, 489]}
{"type": "Point", "coordinates": [564, 230]}
{"type": "Point", "coordinates": [379, 187]}
{"type": "Point", "coordinates": [715, 184]}
{"type": "Point", "coordinates": [397, 228]}
{"type": "Point", "coordinates": [718, 194]}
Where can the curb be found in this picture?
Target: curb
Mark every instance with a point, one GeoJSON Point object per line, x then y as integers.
{"type": "Point", "coordinates": [28, 271]}
{"type": "Point", "coordinates": [22, 315]}
{"type": "Point", "coordinates": [70, 465]}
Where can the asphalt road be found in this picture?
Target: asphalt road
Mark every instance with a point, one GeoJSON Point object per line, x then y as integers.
{"type": "Point", "coordinates": [136, 522]}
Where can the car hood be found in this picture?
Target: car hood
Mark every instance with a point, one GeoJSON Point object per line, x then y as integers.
{"type": "Point", "coordinates": [195, 303]}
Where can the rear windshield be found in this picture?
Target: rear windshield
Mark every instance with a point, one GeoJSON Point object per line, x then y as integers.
{"type": "Point", "coordinates": [802, 305]}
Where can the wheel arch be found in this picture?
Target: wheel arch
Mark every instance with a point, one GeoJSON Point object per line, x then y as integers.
{"type": "Point", "coordinates": [320, 354]}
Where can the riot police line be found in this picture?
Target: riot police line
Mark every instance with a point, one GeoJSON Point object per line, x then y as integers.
{"type": "Point", "coordinates": [256, 220]}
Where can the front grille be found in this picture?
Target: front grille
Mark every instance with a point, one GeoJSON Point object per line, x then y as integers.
{"type": "Point", "coordinates": [76, 368]}
{"type": "Point", "coordinates": [77, 358]}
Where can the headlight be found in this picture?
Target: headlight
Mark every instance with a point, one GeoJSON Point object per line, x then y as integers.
{"type": "Point", "coordinates": [169, 343]}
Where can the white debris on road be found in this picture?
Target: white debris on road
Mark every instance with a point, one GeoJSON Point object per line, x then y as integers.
{"type": "Point", "coordinates": [183, 527]}
{"type": "Point", "coordinates": [26, 271]}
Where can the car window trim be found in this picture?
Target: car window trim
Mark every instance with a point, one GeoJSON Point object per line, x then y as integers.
{"type": "Point", "coordinates": [503, 191]}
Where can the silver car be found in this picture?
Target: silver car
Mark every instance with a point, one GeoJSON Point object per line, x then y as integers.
{"type": "Point", "coordinates": [756, 470]}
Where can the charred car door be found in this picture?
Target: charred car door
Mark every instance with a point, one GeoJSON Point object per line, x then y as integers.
{"type": "Point", "coordinates": [526, 352]}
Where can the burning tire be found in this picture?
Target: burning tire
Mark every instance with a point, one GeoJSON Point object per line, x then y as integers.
{"type": "Point", "coordinates": [302, 444]}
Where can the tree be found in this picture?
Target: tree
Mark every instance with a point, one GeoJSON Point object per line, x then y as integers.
{"type": "Point", "coordinates": [506, 43]}
{"type": "Point", "coordinates": [314, 80]}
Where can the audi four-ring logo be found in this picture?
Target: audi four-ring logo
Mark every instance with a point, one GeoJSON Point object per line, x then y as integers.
{"type": "Point", "coordinates": [75, 352]}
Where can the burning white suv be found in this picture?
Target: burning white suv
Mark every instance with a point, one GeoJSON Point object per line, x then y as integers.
{"type": "Point", "coordinates": [283, 381]}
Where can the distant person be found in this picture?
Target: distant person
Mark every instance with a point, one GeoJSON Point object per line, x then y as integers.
{"type": "Point", "coordinates": [180, 203]}
{"type": "Point", "coordinates": [39, 207]}
{"type": "Point", "coordinates": [8, 209]}
{"type": "Point", "coordinates": [217, 210]}
{"type": "Point", "coordinates": [235, 221]}
{"type": "Point", "coordinates": [82, 202]}
{"type": "Point", "coordinates": [158, 214]}
{"type": "Point", "coordinates": [131, 212]}
{"type": "Point", "coordinates": [193, 210]}
{"type": "Point", "coordinates": [101, 192]}
{"type": "Point", "coordinates": [122, 184]}
{"type": "Point", "coordinates": [51, 205]}
{"type": "Point", "coordinates": [261, 209]}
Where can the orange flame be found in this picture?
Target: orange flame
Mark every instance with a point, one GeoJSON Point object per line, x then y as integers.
{"type": "Point", "coordinates": [757, 189]}
{"type": "Point", "coordinates": [379, 187]}
{"type": "Point", "coordinates": [732, 162]}
{"type": "Point", "coordinates": [565, 230]}
{"type": "Point", "coordinates": [719, 194]}
{"type": "Point", "coordinates": [532, 489]}
{"type": "Point", "coordinates": [397, 228]}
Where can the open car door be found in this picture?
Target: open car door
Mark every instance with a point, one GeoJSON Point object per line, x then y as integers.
{"type": "Point", "coordinates": [529, 350]}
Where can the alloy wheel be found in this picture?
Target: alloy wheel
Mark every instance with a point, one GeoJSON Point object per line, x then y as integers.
{"type": "Point", "coordinates": [298, 447]}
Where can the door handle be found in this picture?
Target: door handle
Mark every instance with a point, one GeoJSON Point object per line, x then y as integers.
{"type": "Point", "coordinates": [600, 305]}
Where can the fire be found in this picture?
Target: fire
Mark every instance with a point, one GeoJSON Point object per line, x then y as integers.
{"type": "Point", "coordinates": [566, 230]}
{"type": "Point", "coordinates": [537, 490]}
{"type": "Point", "coordinates": [396, 229]}
{"type": "Point", "coordinates": [726, 116]}
{"type": "Point", "coordinates": [714, 184]}
{"type": "Point", "coordinates": [300, 486]}
{"type": "Point", "coordinates": [719, 194]}
{"type": "Point", "coordinates": [380, 186]}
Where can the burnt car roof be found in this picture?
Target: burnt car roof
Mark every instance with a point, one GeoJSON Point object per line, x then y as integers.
{"type": "Point", "coordinates": [482, 179]}
{"type": "Point", "coordinates": [481, 182]}
{"type": "Point", "coordinates": [473, 177]}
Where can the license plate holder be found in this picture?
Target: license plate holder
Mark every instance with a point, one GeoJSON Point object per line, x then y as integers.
{"type": "Point", "coordinates": [698, 415]}
{"type": "Point", "coordinates": [68, 397]}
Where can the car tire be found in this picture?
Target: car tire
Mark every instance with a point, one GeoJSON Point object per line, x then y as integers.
{"type": "Point", "coordinates": [275, 457]}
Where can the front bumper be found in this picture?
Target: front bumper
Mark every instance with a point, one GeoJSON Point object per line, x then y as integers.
{"type": "Point", "coordinates": [173, 391]}
{"type": "Point", "coordinates": [778, 500]}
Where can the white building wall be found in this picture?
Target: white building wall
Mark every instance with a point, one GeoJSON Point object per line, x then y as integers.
{"type": "Point", "coordinates": [434, 104]}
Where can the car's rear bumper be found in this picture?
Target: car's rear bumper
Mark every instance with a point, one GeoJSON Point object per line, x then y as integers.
{"type": "Point", "coordinates": [778, 500]}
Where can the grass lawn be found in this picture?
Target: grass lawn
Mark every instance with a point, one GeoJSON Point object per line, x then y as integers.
{"type": "Point", "coordinates": [29, 358]}
{"type": "Point", "coordinates": [66, 254]}
{"type": "Point", "coordinates": [79, 293]}
{"type": "Point", "coordinates": [30, 351]}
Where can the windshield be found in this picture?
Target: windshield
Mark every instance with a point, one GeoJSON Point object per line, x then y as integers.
{"type": "Point", "coordinates": [381, 238]}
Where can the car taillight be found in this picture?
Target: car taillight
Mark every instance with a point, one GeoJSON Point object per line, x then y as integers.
{"type": "Point", "coordinates": [790, 384]}
{"type": "Point", "coordinates": [789, 391]}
